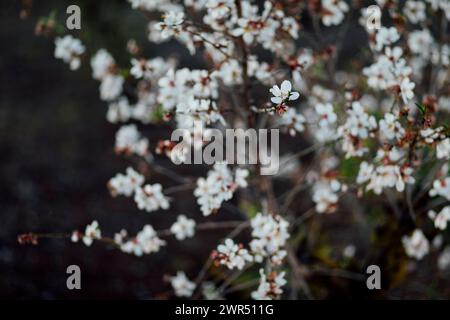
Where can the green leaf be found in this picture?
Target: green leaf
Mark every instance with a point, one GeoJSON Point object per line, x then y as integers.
{"type": "Point", "coordinates": [422, 108]}
{"type": "Point", "coordinates": [249, 208]}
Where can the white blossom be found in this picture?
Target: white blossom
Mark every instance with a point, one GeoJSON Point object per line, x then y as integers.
{"type": "Point", "coordinates": [325, 195]}
{"type": "Point", "coordinates": [125, 184]}
{"type": "Point", "coordinates": [69, 49]}
{"type": "Point", "coordinates": [183, 228]}
{"type": "Point", "coordinates": [218, 187]}
{"type": "Point", "coordinates": [415, 11]}
{"type": "Point", "coordinates": [441, 187]}
{"type": "Point", "coordinates": [129, 140]}
{"type": "Point", "coordinates": [269, 286]}
{"type": "Point", "coordinates": [119, 111]}
{"type": "Point", "coordinates": [440, 219]}
{"type": "Point", "coordinates": [386, 37]}
{"type": "Point", "coordinates": [420, 42]}
{"type": "Point", "coordinates": [171, 24]}
{"type": "Point", "coordinates": [92, 232]}
{"type": "Point", "coordinates": [283, 93]}
{"type": "Point", "coordinates": [145, 242]}
{"type": "Point", "coordinates": [326, 114]}
{"type": "Point", "coordinates": [390, 128]}
{"type": "Point", "coordinates": [150, 198]}
{"type": "Point", "coordinates": [102, 64]}
{"type": "Point", "coordinates": [416, 245]}
{"type": "Point", "coordinates": [232, 255]}
{"type": "Point", "coordinates": [334, 11]}
{"type": "Point", "coordinates": [443, 149]}
{"type": "Point", "coordinates": [111, 87]}
{"type": "Point", "coordinates": [270, 233]}
{"type": "Point", "coordinates": [444, 259]}
{"type": "Point", "coordinates": [294, 121]}
{"type": "Point", "coordinates": [182, 286]}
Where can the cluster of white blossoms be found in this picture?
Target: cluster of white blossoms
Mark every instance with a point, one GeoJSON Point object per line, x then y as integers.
{"type": "Point", "coordinates": [69, 49]}
{"type": "Point", "coordinates": [370, 132]}
{"type": "Point", "coordinates": [190, 95]}
{"type": "Point", "coordinates": [147, 197]}
{"type": "Point", "coordinates": [270, 233]}
{"type": "Point", "coordinates": [219, 186]}
{"type": "Point", "coordinates": [150, 198]}
{"type": "Point", "coordinates": [384, 176]}
{"type": "Point", "coordinates": [91, 233]}
{"type": "Point", "coordinates": [146, 241]}
{"type": "Point", "coordinates": [232, 255]}
{"type": "Point", "coordinates": [125, 184]}
{"type": "Point", "coordinates": [176, 87]}
{"type": "Point", "coordinates": [390, 71]}
{"type": "Point", "coordinates": [358, 126]}
{"type": "Point", "coordinates": [149, 69]}
{"type": "Point", "coordinates": [416, 245]}
{"type": "Point", "coordinates": [270, 286]}
{"type": "Point", "coordinates": [253, 26]}
{"type": "Point", "coordinates": [326, 194]}
{"type": "Point", "coordinates": [105, 70]}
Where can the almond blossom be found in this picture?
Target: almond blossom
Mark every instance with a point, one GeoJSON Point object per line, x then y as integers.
{"type": "Point", "coordinates": [69, 49]}
{"type": "Point", "coordinates": [441, 187]}
{"type": "Point", "coordinates": [150, 198]}
{"type": "Point", "coordinates": [145, 242]}
{"type": "Point", "coordinates": [440, 219]}
{"type": "Point", "coordinates": [270, 286]}
{"type": "Point", "coordinates": [416, 245]}
{"type": "Point", "coordinates": [218, 187]}
{"type": "Point", "coordinates": [283, 93]}
{"type": "Point", "coordinates": [182, 285]}
{"type": "Point", "coordinates": [270, 234]}
{"type": "Point", "coordinates": [231, 255]}
{"type": "Point", "coordinates": [443, 149]}
{"type": "Point", "coordinates": [183, 228]}
{"type": "Point", "coordinates": [129, 141]}
{"type": "Point", "coordinates": [171, 25]}
{"type": "Point", "coordinates": [125, 184]}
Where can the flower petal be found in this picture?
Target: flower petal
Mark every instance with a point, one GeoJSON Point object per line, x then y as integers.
{"type": "Point", "coordinates": [276, 100]}
{"type": "Point", "coordinates": [286, 86]}
{"type": "Point", "coordinates": [275, 91]}
{"type": "Point", "coordinates": [294, 95]}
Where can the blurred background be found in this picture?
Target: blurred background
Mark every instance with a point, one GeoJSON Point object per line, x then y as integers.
{"type": "Point", "coordinates": [56, 151]}
{"type": "Point", "coordinates": [56, 156]}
